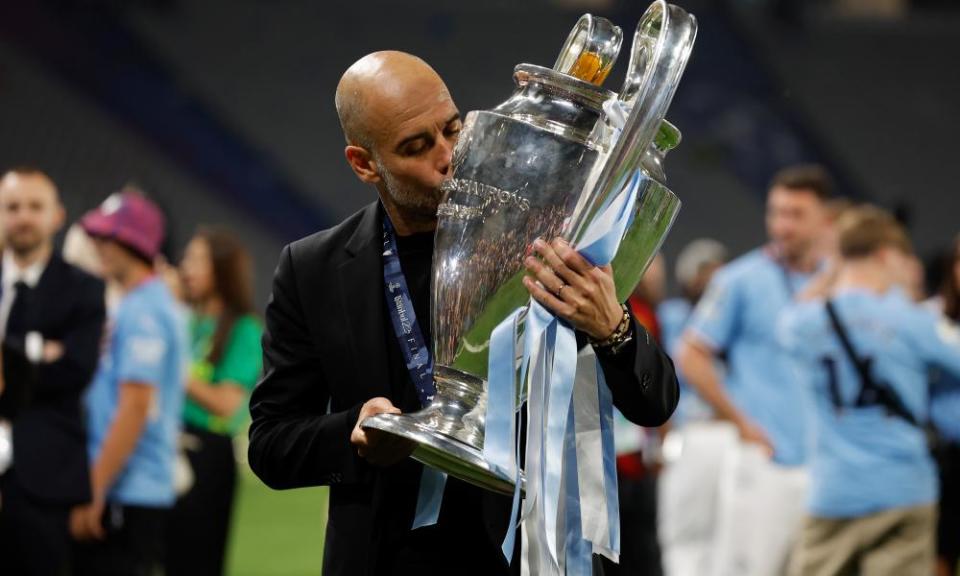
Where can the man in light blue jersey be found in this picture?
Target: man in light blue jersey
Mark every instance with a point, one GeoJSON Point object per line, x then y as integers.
{"type": "Point", "coordinates": [763, 483]}
{"type": "Point", "coordinates": [866, 353]}
{"type": "Point", "coordinates": [135, 401]}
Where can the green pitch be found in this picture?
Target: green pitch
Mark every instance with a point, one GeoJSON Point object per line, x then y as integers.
{"type": "Point", "coordinates": [276, 533]}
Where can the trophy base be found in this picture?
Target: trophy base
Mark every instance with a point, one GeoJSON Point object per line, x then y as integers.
{"type": "Point", "coordinates": [449, 432]}
{"type": "Point", "coordinates": [446, 454]}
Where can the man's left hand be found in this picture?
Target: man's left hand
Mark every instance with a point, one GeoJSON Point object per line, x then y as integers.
{"type": "Point", "coordinates": [573, 288]}
{"type": "Point", "coordinates": [86, 520]}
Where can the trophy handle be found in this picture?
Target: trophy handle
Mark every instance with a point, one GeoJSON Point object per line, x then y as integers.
{"type": "Point", "coordinates": [661, 48]}
{"type": "Point", "coordinates": [591, 50]}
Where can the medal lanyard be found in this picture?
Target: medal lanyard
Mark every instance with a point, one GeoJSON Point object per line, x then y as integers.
{"type": "Point", "coordinates": [404, 319]}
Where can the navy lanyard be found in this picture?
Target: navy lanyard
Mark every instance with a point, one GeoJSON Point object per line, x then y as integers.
{"type": "Point", "coordinates": [404, 319]}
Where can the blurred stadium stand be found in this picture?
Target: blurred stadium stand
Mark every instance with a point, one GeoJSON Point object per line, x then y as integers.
{"type": "Point", "coordinates": [224, 108]}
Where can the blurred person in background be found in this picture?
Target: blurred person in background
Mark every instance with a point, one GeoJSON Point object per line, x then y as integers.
{"type": "Point", "coordinates": [866, 351]}
{"type": "Point", "coordinates": [764, 482]}
{"type": "Point", "coordinates": [945, 417]}
{"type": "Point", "coordinates": [694, 445]}
{"type": "Point", "coordinates": [226, 362]}
{"type": "Point", "coordinates": [51, 318]}
{"type": "Point", "coordinates": [136, 399]}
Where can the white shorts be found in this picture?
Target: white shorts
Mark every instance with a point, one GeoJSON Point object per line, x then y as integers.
{"type": "Point", "coordinates": [724, 508]}
{"type": "Point", "coordinates": [760, 514]}
{"type": "Point", "coordinates": [687, 497]}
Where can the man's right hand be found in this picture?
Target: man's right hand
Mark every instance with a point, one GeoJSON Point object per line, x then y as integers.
{"type": "Point", "coordinates": [379, 448]}
{"type": "Point", "coordinates": [750, 432]}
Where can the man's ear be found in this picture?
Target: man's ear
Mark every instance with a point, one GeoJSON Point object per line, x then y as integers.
{"type": "Point", "coordinates": [362, 164]}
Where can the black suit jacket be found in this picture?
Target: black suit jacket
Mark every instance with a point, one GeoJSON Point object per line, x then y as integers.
{"type": "Point", "coordinates": [325, 355]}
{"type": "Point", "coordinates": [44, 400]}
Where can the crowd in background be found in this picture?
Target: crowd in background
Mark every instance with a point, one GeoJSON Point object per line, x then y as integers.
{"type": "Point", "coordinates": [124, 381]}
{"type": "Point", "coordinates": [818, 430]}
{"type": "Point", "coordinates": [819, 420]}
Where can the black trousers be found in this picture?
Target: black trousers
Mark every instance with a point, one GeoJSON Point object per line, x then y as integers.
{"type": "Point", "coordinates": [200, 522]}
{"type": "Point", "coordinates": [34, 535]}
{"type": "Point", "coordinates": [133, 545]}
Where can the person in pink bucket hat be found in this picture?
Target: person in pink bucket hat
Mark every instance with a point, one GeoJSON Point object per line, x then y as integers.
{"type": "Point", "coordinates": [129, 219]}
{"type": "Point", "coordinates": [135, 400]}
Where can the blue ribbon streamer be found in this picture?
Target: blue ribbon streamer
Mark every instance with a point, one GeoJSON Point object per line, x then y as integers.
{"type": "Point", "coordinates": [551, 459]}
{"type": "Point", "coordinates": [432, 483]}
{"type": "Point", "coordinates": [609, 460]}
{"type": "Point", "coordinates": [551, 446]}
{"type": "Point", "coordinates": [578, 557]}
{"type": "Point", "coordinates": [501, 444]}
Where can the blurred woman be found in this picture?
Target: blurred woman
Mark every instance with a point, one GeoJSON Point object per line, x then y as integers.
{"type": "Point", "coordinates": [945, 415]}
{"type": "Point", "coordinates": [226, 355]}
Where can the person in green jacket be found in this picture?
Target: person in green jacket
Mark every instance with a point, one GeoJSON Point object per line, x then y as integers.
{"type": "Point", "coordinates": [226, 363]}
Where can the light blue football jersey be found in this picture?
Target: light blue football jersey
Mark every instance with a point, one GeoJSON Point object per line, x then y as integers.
{"type": "Point", "coordinates": [867, 459]}
{"type": "Point", "coordinates": [737, 316]}
{"type": "Point", "coordinates": [147, 345]}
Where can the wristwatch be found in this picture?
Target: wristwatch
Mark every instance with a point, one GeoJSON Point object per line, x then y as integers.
{"type": "Point", "coordinates": [621, 336]}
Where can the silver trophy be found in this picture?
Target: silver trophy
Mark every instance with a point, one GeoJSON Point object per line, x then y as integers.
{"type": "Point", "coordinates": [542, 164]}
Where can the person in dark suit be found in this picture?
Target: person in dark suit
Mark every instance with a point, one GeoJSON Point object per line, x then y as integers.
{"type": "Point", "coordinates": [51, 317]}
{"type": "Point", "coordinates": [331, 357]}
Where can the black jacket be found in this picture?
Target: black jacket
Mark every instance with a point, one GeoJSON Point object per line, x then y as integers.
{"type": "Point", "coordinates": [325, 355]}
{"type": "Point", "coordinates": [44, 400]}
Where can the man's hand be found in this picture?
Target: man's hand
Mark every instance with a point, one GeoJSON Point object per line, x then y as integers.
{"type": "Point", "coordinates": [751, 433]}
{"type": "Point", "coordinates": [379, 448]}
{"type": "Point", "coordinates": [85, 520]}
{"type": "Point", "coordinates": [573, 289]}
{"type": "Point", "coordinates": [52, 351]}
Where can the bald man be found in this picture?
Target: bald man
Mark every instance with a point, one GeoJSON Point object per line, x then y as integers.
{"type": "Point", "coordinates": [51, 321]}
{"type": "Point", "coordinates": [333, 357]}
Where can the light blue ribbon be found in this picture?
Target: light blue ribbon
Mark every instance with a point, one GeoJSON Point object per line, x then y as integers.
{"type": "Point", "coordinates": [432, 482]}
{"type": "Point", "coordinates": [578, 557]}
{"type": "Point", "coordinates": [551, 445]}
{"type": "Point", "coordinates": [551, 458]}
{"type": "Point", "coordinates": [501, 444]}
{"type": "Point", "coordinates": [609, 460]}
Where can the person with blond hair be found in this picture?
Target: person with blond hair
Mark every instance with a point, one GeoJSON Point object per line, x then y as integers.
{"type": "Point", "coordinates": [865, 352]}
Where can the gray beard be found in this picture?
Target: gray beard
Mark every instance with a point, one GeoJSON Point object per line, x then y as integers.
{"type": "Point", "coordinates": [412, 200]}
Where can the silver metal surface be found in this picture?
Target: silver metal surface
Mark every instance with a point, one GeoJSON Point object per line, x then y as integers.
{"type": "Point", "coordinates": [540, 165]}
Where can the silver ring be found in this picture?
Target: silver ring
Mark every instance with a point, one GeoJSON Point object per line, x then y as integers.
{"type": "Point", "coordinates": [559, 290]}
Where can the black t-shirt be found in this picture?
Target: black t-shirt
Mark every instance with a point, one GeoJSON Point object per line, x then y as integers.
{"type": "Point", "coordinates": [459, 541]}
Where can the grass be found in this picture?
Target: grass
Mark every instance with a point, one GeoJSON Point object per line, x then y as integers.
{"type": "Point", "coordinates": [276, 533]}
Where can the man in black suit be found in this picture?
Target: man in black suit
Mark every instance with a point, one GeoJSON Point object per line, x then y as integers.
{"type": "Point", "coordinates": [51, 318]}
{"type": "Point", "coordinates": [332, 358]}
